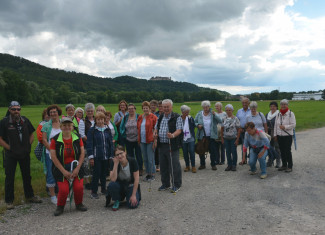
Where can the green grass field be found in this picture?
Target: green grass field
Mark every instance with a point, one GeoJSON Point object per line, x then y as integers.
{"type": "Point", "coordinates": [309, 114]}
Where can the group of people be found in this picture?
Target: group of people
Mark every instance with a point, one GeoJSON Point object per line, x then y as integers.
{"type": "Point", "coordinates": [88, 145]}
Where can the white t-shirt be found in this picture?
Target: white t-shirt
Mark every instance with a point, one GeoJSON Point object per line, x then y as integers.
{"type": "Point", "coordinates": [207, 124]}
{"type": "Point", "coordinates": [54, 132]}
{"type": "Point", "coordinates": [110, 125]}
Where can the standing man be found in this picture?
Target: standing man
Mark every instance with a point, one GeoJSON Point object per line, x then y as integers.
{"type": "Point", "coordinates": [169, 136]}
{"type": "Point", "coordinates": [16, 137]}
{"type": "Point", "coordinates": [241, 115]}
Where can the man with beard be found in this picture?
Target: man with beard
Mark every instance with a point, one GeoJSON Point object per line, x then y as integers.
{"type": "Point", "coordinates": [16, 137]}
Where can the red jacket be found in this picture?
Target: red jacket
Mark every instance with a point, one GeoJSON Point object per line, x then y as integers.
{"type": "Point", "coordinates": [151, 120]}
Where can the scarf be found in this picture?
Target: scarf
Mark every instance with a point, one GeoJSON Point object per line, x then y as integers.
{"type": "Point", "coordinates": [270, 116]}
{"type": "Point", "coordinates": [101, 128]}
{"type": "Point", "coordinates": [283, 111]}
{"type": "Point", "coordinates": [186, 130]}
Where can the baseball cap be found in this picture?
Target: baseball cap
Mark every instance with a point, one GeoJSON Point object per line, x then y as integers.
{"type": "Point", "coordinates": [66, 120]}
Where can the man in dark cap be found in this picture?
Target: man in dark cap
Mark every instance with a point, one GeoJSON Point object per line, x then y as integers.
{"type": "Point", "coordinates": [16, 137]}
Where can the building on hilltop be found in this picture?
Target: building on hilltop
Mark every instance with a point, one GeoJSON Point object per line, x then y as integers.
{"type": "Point", "coordinates": [308, 96]}
{"type": "Point", "coordinates": [157, 78]}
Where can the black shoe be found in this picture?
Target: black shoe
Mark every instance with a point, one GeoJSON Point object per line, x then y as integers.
{"type": "Point", "coordinates": [108, 200]}
{"type": "Point", "coordinates": [59, 210]}
{"type": "Point", "coordinates": [283, 168]}
{"type": "Point", "coordinates": [228, 168]}
{"type": "Point", "coordinates": [233, 168]}
{"type": "Point", "coordinates": [81, 207]}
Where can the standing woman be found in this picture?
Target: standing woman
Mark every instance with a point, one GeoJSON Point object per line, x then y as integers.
{"type": "Point", "coordinates": [122, 107]}
{"type": "Point", "coordinates": [285, 123]}
{"type": "Point", "coordinates": [49, 130]}
{"type": "Point", "coordinates": [188, 145]}
{"type": "Point", "coordinates": [70, 109]}
{"type": "Point", "coordinates": [111, 125]}
{"type": "Point", "coordinates": [270, 119]}
{"type": "Point", "coordinates": [79, 114]}
{"type": "Point", "coordinates": [65, 148]}
{"type": "Point", "coordinates": [230, 134]}
{"type": "Point", "coordinates": [45, 119]}
{"type": "Point", "coordinates": [146, 125]}
{"type": "Point", "coordinates": [220, 145]}
{"type": "Point", "coordinates": [124, 174]}
{"type": "Point", "coordinates": [206, 121]}
{"type": "Point", "coordinates": [257, 118]}
{"type": "Point", "coordinates": [129, 132]}
{"type": "Point", "coordinates": [100, 150]}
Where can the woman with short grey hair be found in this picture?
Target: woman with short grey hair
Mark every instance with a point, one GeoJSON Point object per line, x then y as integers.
{"type": "Point", "coordinates": [257, 118]}
{"type": "Point", "coordinates": [188, 145]}
{"type": "Point", "coordinates": [206, 121]}
{"type": "Point", "coordinates": [220, 145]}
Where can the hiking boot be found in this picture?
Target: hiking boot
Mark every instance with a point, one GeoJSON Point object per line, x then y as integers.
{"type": "Point", "coordinates": [202, 167]}
{"type": "Point", "coordinates": [193, 169]}
{"type": "Point", "coordinates": [175, 189]}
{"type": "Point", "coordinates": [187, 169]}
{"type": "Point", "coordinates": [252, 173]}
{"type": "Point", "coordinates": [228, 168]}
{"type": "Point", "coordinates": [116, 205]}
{"type": "Point", "coordinates": [10, 206]}
{"type": "Point", "coordinates": [214, 168]}
{"type": "Point", "coordinates": [234, 168]}
{"type": "Point", "coordinates": [94, 196]}
{"type": "Point", "coordinates": [59, 210]}
{"type": "Point", "coordinates": [81, 207]}
{"type": "Point", "coordinates": [288, 170]}
{"type": "Point", "coordinates": [34, 199]}
{"type": "Point", "coordinates": [263, 176]}
{"type": "Point", "coordinates": [283, 168]}
{"type": "Point", "coordinates": [162, 188]}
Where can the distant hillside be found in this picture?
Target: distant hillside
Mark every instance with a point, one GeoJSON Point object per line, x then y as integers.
{"type": "Point", "coordinates": [80, 87]}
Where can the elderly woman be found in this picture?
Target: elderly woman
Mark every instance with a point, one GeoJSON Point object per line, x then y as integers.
{"type": "Point", "coordinates": [259, 145]}
{"type": "Point", "coordinates": [100, 108]}
{"type": "Point", "coordinates": [67, 147]}
{"type": "Point", "coordinates": [257, 118]}
{"type": "Point", "coordinates": [230, 134]}
{"type": "Point", "coordinates": [270, 119]}
{"type": "Point", "coordinates": [99, 149]}
{"type": "Point", "coordinates": [111, 125]}
{"type": "Point", "coordinates": [220, 145]}
{"type": "Point", "coordinates": [118, 117]}
{"type": "Point", "coordinates": [188, 139]}
{"type": "Point", "coordinates": [129, 132]}
{"type": "Point", "coordinates": [84, 126]}
{"type": "Point", "coordinates": [146, 126]}
{"type": "Point", "coordinates": [70, 109]}
{"type": "Point", "coordinates": [285, 123]}
{"type": "Point", "coordinates": [45, 119]}
{"type": "Point", "coordinates": [124, 174]}
{"type": "Point", "coordinates": [206, 122]}
{"type": "Point", "coordinates": [79, 114]}
{"type": "Point", "coordinates": [49, 130]}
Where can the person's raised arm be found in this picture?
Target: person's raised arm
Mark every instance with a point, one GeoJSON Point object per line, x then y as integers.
{"type": "Point", "coordinates": [113, 173]}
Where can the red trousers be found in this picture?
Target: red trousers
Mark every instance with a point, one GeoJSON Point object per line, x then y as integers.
{"type": "Point", "coordinates": [78, 191]}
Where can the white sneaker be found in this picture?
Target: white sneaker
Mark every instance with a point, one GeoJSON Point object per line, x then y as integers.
{"type": "Point", "coordinates": [54, 200]}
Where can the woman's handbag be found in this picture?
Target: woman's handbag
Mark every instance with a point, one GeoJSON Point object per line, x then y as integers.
{"type": "Point", "coordinates": [202, 146]}
{"type": "Point", "coordinates": [39, 151]}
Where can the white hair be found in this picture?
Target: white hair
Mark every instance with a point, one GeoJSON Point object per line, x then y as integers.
{"type": "Point", "coordinates": [167, 101]}
{"type": "Point", "coordinates": [245, 99]}
{"type": "Point", "coordinates": [205, 103]}
{"type": "Point", "coordinates": [218, 103]}
{"type": "Point", "coordinates": [79, 109]}
{"type": "Point", "coordinates": [89, 106]}
{"type": "Point", "coordinates": [284, 101]}
{"type": "Point", "coordinates": [253, 104]}
{"type": "Point", "coordinates": [185, 108]}
{"type": "Point", "coordinates": [68, 106]}
{"type": "Point", "coordinates": [230, 107]}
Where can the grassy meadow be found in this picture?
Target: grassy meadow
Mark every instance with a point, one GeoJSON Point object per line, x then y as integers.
{"type": "Point", "coordinates": [309, 114]}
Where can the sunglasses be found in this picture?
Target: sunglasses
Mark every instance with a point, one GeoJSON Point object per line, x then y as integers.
{"type": "Point", "coordinates": [15, 109]}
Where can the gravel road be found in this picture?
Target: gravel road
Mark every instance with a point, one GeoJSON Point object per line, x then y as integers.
{"type": "Point", "coordinates": [209, 202]}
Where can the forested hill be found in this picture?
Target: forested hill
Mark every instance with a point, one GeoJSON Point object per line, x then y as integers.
{"type": "Point", "coordinates": [59, 86]}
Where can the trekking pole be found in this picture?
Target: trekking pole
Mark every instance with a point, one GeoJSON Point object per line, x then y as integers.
{"type": "Point", "coordinates": [171, 162]}
{"type": "Point", "coordinates": [71, 182]}
{"type": "Point", "coordinates": [152, 169]}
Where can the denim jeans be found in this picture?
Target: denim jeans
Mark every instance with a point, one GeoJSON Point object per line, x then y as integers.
{"type": "Point", "coordinates": [148, 157]}
{"type": "Point", "coordinates": [50, 181]}
{"type": "Point", "coordinates": [118, 191]}
{"type": "Point", "coordinates": [253, 158]}
{"type": "Point", "coordinates": [99, 173]}
{"type": "Point", "coordinates": [133, 150]}
{"type": "Point", "coordinates": [212, 151]}
{"type": "Point", "coordinates": [231, 150]}
{"type": "Point", "coordinates": [220, 152]}
{"type": "Point", "coordinates": [189, 153]}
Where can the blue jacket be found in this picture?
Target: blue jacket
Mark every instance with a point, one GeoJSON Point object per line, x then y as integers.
{"type": "Point", "coordinates": [100, 144]}
{"type": "Point", "coordinates": [124, 121]}
{"type": "Point", "coordinates": [215, 119]}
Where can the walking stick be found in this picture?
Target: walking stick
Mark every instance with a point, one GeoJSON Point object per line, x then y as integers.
{"type": "Point", "coordinates": [171, 162]}
{"type": "Point", "coordinates": [152, 169]}
{"type": "Point", "coordinates": [71, 182]}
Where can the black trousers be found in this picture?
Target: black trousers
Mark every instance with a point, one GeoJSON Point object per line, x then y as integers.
{"type": "Point", "coordinates": [10, 170]}
{"type": "Point", "coordinates": [285, 143]}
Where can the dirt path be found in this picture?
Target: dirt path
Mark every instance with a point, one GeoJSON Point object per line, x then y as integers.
{"type": "Point", "coordinates": [208, 203]}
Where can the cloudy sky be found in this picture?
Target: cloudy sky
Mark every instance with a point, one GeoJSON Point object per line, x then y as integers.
{"type": "Point", "coordinates": [240, 46]}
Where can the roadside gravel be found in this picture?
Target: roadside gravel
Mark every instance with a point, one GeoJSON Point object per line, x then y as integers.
{"type": "Point", "coordinates": [209, 202]}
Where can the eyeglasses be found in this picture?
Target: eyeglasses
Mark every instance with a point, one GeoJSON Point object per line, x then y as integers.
{"type": "Point", "coordinates": [118, 154]}
{"type": "Point", "coordinates": [54, 111]}
{"type": "Point", "coordinates": [15, 109]}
